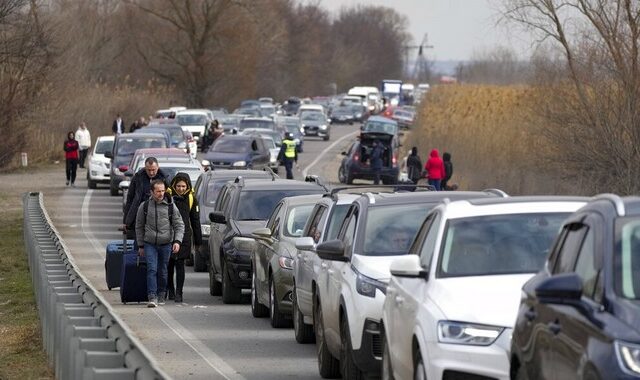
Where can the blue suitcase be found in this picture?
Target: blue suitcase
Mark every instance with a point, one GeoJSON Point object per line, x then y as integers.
{"type": "Point", "coordinates": [133, 287]}
{"type": "Point", "coordinates": [113, 260]}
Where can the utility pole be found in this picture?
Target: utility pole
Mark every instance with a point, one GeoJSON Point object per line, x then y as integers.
{"type": "Point", "coordinates": [421, 66]}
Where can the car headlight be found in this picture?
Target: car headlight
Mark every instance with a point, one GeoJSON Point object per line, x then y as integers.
{"type": "Point", "coordinates": [285, 262]}
{"type": "Point", "coordinates": [206, 229]}
{"type": "Point", "coordinates": [323, 126]}
{"type": "Point", "coordinates": [358, 115]}
{"type": "Point", "coordinates": [240, 163]}
{"type": "Point", "coordinates": [467, 333]}
{"type": "Point", "coordinates": [367, 286]}
{"type": "Point", "coordinates": [628, 357]}
{"type": "Point", "coordinates": [243, 244]}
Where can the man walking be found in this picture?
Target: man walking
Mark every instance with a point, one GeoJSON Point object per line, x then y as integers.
{"type": "Point", "coordinates": [376, 161]}
{"type": "Point", "coordinates": [159, 232]}
{"type": "Point", "coordinates": [288, 154]}
{"type": "Point", "coordinates": [118, 125]}
{"type": "Point", "coordinates": [84, 142]}
{"type": "Point", "coordinates": [138, 192]}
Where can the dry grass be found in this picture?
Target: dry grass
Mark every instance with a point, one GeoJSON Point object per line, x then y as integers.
{"type": "Point", "coordinates": [493, 136]}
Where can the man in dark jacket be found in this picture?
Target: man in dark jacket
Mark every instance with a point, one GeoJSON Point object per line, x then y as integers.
{"type": "Point", "coordinates": [139, 190]}
{"type": "Point", "coordinates": [376, 161]}
{"type": "Point", "coordinates": [118, 125]}
{"type": "Point", "coordinates": [159, 232]}
{"type": "Point", "coordinates": [414, 165]}
{"type": "Point", "coordinates": [448, 170]}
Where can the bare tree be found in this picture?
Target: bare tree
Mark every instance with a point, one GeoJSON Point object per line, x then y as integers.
{"type": "Point", "coordinates": [593, 110]}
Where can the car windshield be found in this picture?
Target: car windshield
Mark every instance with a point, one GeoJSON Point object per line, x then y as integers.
{"type": "Point", "coordinates": [296, 220]}
{"type": "Point", "coordinates": [231, 145]}
{"type": "Point", "coordinates": [258, 204]}
{"type": "Point", "coordinates": [627, 258]}
{"type": "Point", "coordinates": [380, 127]}
{"type": "Point", "coordinates": [314, 116]}
{"type": "Point", "coordinates": [498, 244]}
{"type": "Point", "coordinates": [390, 229]}
{"type": "Point", "coordinates": [191, 119]}
{"type": "Point", "coordinates": [104, 146]}
{"type": "Point", "coordinates": [128, 146]}
{"type": "Point", "coordinates": [248, 123]}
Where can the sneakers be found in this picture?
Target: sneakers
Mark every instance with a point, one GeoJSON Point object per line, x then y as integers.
{"type": "Point", "coordinates": [153, 302]}
{"type": "Point", "coordinates": [172, 294]}
{"type": "Point", "coordinates": [67, 183]}
{"type": "Point", "coordinates": [73, 184]}
{"type": "Point", "coordinates": [161, 299]}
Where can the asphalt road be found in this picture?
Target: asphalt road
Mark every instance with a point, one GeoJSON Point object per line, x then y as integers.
{"type": "Point", "coordinates": [202, 338]}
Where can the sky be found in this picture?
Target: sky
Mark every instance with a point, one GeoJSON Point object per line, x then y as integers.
{"type": "Point", "coordinates": [456, 28]}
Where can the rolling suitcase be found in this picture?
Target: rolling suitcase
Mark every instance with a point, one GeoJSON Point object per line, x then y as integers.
{"type": "Point", "coordinates": [113, 260]}
{"type": "Point", "coordinates": [133, 287]}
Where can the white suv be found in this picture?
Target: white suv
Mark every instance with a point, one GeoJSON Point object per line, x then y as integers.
{"type": "Point", "coordinates": [452, 302]}
{"type": "Point", "coordinates": [195, 121]}
{"type": "Point", "coordinates": [353, 275]}
{"type": "Point", "coordinates": [99, 168]}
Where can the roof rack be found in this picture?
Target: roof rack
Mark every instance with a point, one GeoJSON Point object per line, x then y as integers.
{"type": "Point", "coordinates": [239, 179]}
{"type": "Point", "coordinates": [615, 199]}
{"type": "Point", "coordinates": [497, 192]}
{"type": "Point", "coordinates": [274, 176]}
{"type": "Point", "coordinates": [316, 179]}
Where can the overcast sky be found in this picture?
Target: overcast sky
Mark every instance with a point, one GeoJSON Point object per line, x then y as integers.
{"type": "Point", "coordinates": [456, 28]}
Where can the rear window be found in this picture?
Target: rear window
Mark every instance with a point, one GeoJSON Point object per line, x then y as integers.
{"type": "Point", "coordinates": [129, 145]}
{"type": "Point", "coordinates": [191, 119]}
{"type": "Point", "coordinates": [390, 230]}
{"type": "Point", "coordinates": [231, 145]}
{"type": "Point", "coordinates": [266, 124]}
{"type": "Point", "coordinates": [258, 204]}
{"type": "Point", "coordinates": [380, 127]}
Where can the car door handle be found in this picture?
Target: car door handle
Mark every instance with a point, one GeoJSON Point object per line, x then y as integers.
{"type": "Point", "coordinates": [530, 314]}
{"type": "Point", "coordinates": [399, 300]}
{"type": "Point", "coordinates": [555, 327]}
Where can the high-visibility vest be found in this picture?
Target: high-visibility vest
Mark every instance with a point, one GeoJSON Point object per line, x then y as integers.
{"type": "Point", "coordinates": [290, 151]}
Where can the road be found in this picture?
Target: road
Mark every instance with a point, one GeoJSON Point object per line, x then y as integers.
{"type": "Point", "coordinates": [202, 338]}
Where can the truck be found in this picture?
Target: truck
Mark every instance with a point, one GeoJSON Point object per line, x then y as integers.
{"type": "Point", "coordinates": [391, 90]}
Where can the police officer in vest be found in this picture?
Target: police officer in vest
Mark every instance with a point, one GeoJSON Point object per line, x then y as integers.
{"type": "Point", "coordinates": [288, 154]}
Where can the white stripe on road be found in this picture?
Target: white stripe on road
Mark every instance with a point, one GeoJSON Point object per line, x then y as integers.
{"type": "Point", "coordinates": [212, 359]}
{"type": "Point", "coordinates": [325, 151]}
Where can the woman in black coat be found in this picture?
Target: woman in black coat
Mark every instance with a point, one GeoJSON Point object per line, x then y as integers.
{"type": "Point", "coordinates": [185, 200]}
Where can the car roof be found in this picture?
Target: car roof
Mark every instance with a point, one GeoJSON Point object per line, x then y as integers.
{"type": "Point", "coordinates": [106, 138]}
{"type": "Point", "coordinates": [279, 183]}
{"type": "Point", "coordinates": [421, 197]}
{"type": "Point", "coordinates": [233, 174]}
{"type": "Point", "coordinates": [237, 137]}
{"type": "Point", "coordinates": [620, 206]}
{"type": "Point", "coordinates": [514, 205]}
{"type": "Point", "coordinates": [140, 135]}
{"type": "Point", "coordinates": [260, 118]}
{"type": "Point", "coordinates": [162, 151]}
{"type": "Point", "coordinates": [302, 199]}
{"type": "Point", "coordinates": [382, 119]}
{"type": "Point", "coordinates": [193, 112]}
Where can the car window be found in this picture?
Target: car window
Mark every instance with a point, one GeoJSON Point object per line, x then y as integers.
{"type": "Point", "coordinates": [350, 230]}
{"type": "Point", "coordinates": [497, 244]}
{"type": "Point", "coordinates": [390, 229]}
{"type": "Point", "coordinates": [627, 258]}
{"type": "Point", "coordinates": [213, 191]}
{"type": "Point", "coordinates": [313, 230]}
{"type": "Point", "coordinates": [230, 145]}
{"type": "Point", "coordinates": [224, 199]}
{"type": "Point", "coordinates": [570, 246]}
{"type": "Point", "coordinates": [338, 213]}
{"type": "Point", "coordinates": [274, 220]}
{"type": "Point", "coordinates": [191, 119]}
{"type": "Point", "coordinates": [296, 219]}
{"type": "Point", "coordinates": [585, 265]}
{"type": "Point", "coordinates": [104, 146]}
{"type": "Point", "coordinates": [258, 204]}
{"type": "Point", "coordinates": [431, 237]}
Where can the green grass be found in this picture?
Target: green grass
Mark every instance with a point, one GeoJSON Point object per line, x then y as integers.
{"type": "Point", "coordinates": [21, 352]}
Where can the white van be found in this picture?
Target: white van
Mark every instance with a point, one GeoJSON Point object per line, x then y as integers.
{"type": "Point", "coordinates": [370, 97]}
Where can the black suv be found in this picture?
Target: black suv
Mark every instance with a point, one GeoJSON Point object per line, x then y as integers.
{"type": "Point", "coordinates": [580, 316]}
{"type": "Point", "coordinates": [357, 161]}
{"type": "Point", "coordinates": [237, 152]}
{"type": "Point", "coordinates": [243, 206]}
{"type": "Point", "coordinates": [207, 189]}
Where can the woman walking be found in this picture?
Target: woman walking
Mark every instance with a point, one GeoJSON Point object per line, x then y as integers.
{"type": "Point", "coordinates": [187, 204]}
{"type": "Point", "coordinates": [71, 148]}
{"type": "Point", "coordinates": [435, 169]}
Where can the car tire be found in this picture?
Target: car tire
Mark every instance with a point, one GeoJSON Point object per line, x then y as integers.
{"type": "Point", "coordinates": [91, 184]}
{"type": "Point", "coordinates": [328, 365]}
{"type": "Point", "coordinates": [258, 310]}
{"type": "Point", "coordinates": [230, 294]}
{"type": "Point", "coordinates": [215, 288]}
{"type": "Point", "coordinates": [348, 367]}
{"type": "Point", "coordinates": [303, 332]}
{"type": "Point", "coordinates": [113, 190]}
{"type": "Point", "coordinates": [199, 262]}
{"type": "Point", "coordinates": [520, 374]}
{"type": "Point", "coordinates": [278, 319]}
{"type": "Point", "coordinates": [419, 370]}
{"type": "Point", "coordinates": [325, 138]}
{"type": "Point", "coordinates": [387, 369]}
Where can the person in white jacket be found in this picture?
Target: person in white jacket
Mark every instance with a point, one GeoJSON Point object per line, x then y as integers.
{"type": "Point", "coordinates": [84, 141]}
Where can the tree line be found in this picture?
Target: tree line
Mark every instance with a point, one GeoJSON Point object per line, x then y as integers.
{"type": "Point", "coordinates": [63, 61]}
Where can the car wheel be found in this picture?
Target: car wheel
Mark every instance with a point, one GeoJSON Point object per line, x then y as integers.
{"type": "Point", "coordinates": [328, 365]}
{"type": "Point", "coordinates": [113, 189]}
{"type": "Point", "coordinates": [326, 138]}
{"type": "Point", "coordinates": [91, 184]}
{"type": "Point", "coordinates": [278, 319]}
{"type": "Point", "coordinates": [258, 310]}
{"type": "Point", "coordinates": [348, 368]}
{"type": "Point", "coordinates": [302, 331]}
{"type": "Point", "coordinates": [341, 175]}
{"type": "Point", "coordinates": [387, 371]}
{"type": "Point", "coordinates": [230, 294]}
{"type": "Point", "coordinates": [199, 262]}
{"type": "Point", "coordinates": [215, 288]}
{"type": "Point", "coordinates": [419, 370]}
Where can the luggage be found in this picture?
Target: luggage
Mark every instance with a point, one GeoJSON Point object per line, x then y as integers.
{"type": "Point", "coordinates": [133, 287]}
{"type": "Point", "coordinates": [113, 260]}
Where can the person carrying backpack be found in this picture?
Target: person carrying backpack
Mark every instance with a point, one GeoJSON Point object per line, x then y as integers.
{"type": "Point", "coordinates": [159, 233]}
{"type": "Point", "coordinates": [186, 202]}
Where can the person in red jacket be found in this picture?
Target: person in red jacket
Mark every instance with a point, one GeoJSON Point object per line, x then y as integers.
{"type": "Point", "coordinates": [71, 155]}
{"type": "Point", "coordinates": [435, 169]}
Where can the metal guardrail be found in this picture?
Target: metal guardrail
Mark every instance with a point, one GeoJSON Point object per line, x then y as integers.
{"type": "Point", "coordinates": [82, 335]}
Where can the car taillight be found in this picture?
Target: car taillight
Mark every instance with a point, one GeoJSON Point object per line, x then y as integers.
{"type": "Point", "coordinates": [123, 168]}
{"type": "Point", "coordinates": [394, 161]}
{"type": "Point", "coordinates": [356, 157]}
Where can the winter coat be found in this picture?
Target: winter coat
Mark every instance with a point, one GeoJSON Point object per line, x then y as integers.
{"type": "Point", "coordinates": [190, 216]}
{"type": "Point", "coordinates": [414, 167]}
{"type": "Point", "coordinates": [155, 227]}
{"type": "Point", "coordinates": [435, 166]}
{"type": "Point", "coordinates": [84, 138]}
{"type": "Point", "coordinates": [71, 149]}
{"type": "Point", "coordinates": [448, 166]}
{"type": "Point", "coordinates": [114, 126]}
{"type": "Point", "coordinates": [139, 190]}
{"type": "Point", "coordinates": [376, 156]}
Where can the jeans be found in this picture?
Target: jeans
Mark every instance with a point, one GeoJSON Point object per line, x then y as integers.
{"type": "Point", "coordinates": [435, 183]}
{"type": "Point", "coordinates": [157, 261]}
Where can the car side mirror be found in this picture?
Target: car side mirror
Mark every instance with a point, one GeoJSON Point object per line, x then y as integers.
{"type": "Point", "coordinates": [560, 288]}
{"type": "Point", "coordinates": [217, 217]}
{"type": "Point", "coordinates": [408, 266]}
{"type": "Point", "coordinates": [305, 243]}
{"type": "Point", "coordinates": [262, 234]}
{"type": "Point", "coordinates": [331, 250]}
{"type": "Point", "coordinates": [108, 154]}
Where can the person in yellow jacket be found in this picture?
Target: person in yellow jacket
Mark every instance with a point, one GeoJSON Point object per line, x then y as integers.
{"type": "Point", "coordinates": [288, 154]}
